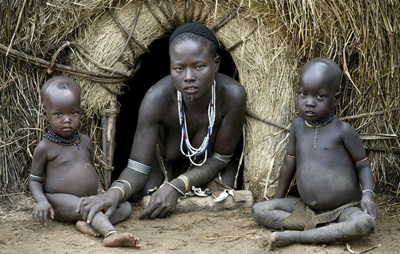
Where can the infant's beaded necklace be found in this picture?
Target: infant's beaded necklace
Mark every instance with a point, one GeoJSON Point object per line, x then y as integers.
{"type": "Point", "coordinates": [322, 122]}
{"type": "Point", "coordinates": [74, 139]}
{"type": "Point", "coordinates": [192, 151]}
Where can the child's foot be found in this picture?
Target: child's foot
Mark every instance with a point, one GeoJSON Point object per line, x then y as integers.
{"type": "Point", "coordinates": [121, 240]}
{"type": "Point", "coordinates": [276, 240]}
{"type": "Point", "coordinates": [86, 228]}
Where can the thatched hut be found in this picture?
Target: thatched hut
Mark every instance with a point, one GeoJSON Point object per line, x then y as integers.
{"type": "Point", "coordinates": [102, 44]}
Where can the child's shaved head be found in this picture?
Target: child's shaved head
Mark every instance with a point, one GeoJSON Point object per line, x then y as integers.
{"type": "Point", "coordinates": [322, 69]}
{"type": "Point", "coordinates": [61, 82]}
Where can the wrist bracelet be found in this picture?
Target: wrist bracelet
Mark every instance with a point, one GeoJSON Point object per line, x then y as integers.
{"type": "Point", "coordinates": [176, 188]}
{"type": "Point", "coordinates": [367, 190]}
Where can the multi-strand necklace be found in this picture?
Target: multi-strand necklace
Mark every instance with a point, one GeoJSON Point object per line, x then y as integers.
{"type": "Point", "coordinates": [193, 152]}
{"type": "Point", "coordinates": [74, 139]}
{"type": "Point", "coordinates": [322, 122]}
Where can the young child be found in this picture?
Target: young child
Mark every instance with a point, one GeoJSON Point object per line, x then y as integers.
{"type": "Point", "coordinates": [63, 167]}
{"type": "Point", "coordinates": [333, 175]}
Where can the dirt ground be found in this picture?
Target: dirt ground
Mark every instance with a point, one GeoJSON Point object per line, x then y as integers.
{"type": "Point", "coordinates": [230, 231]}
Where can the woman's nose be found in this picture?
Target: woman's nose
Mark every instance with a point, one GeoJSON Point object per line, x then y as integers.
{"type": "Point", "coordinates": [189, 76]}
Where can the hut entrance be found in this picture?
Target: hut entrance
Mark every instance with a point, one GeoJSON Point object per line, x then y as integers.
{"type": "Point", "coordinates": [154, 66]}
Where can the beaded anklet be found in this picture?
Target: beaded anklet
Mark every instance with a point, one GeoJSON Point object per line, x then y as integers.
{"type": "Point", "coordinates": [74, 139]}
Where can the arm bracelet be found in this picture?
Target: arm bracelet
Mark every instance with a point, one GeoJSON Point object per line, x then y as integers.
{"type": "Point", "coordinates": [139, 167]}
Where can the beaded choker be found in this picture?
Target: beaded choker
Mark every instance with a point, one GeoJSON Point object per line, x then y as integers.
{"type": "Point", "coordinates": [192, 152]}
{"type": "Point", "coordinates": [74, 139]}
{"type": "Point", "coordinates": [322, 122]}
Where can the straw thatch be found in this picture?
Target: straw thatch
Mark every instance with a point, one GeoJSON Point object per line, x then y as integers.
{"type": "Point", "coordinates": [98, 42]}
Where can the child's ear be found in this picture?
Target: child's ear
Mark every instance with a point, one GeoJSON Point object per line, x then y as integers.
{"type": "Point", "coordinates": [44, 112]}
{"type": "Point", "coordinates": [338, 95]}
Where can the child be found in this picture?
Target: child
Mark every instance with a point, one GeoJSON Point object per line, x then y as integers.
{"type": "Point", "coordinates": [333, 174]}
{"type": "Point", "coordinates": [63, 167]}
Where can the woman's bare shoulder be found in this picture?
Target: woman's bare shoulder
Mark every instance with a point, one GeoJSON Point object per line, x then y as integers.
{"type": "Point", "coordinates": [230, 88]}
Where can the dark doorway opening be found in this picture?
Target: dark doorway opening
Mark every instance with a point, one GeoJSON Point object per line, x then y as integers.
{"type": "Point", "coordinates": [154, 66]}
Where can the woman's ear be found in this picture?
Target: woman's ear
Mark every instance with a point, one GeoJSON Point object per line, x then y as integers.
{"type": "Point", "coordinates": [217, 62]}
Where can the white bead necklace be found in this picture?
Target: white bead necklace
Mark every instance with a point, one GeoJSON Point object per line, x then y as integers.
{"type": "Point", "coordinates": [192, 152]}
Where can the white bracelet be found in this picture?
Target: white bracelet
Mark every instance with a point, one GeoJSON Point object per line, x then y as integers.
{"type": "Point", "coordinates": [176, 188]}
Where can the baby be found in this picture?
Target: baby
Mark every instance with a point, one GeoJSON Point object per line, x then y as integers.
{"type": "Point", "coordinates": [332, 171]}
{"type": "Point", "coordinates": [63, 167]}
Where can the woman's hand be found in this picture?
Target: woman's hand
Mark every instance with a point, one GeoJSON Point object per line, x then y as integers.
{"type": "Point", "coordinates": [161, 203]}
{"type": "Point", "coordinates": [89, 206]}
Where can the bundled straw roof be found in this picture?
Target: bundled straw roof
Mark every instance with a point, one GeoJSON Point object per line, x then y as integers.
{"type": "Point", "coordinates": [98, 42]}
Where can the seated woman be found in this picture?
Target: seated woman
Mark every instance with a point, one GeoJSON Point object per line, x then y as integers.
{"type": "Point", "coordinates": [193, 118]}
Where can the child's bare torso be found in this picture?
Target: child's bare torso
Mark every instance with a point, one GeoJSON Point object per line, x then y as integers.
{"type": "Point", "coordinates": [325, 173]}
{"type": "Point", "coordinates": [70, 170]}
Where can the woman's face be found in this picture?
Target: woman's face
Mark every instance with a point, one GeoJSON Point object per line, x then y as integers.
{"type": "Point", "coordinates": [193, 67]}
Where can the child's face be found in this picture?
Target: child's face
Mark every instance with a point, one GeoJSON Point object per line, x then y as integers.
{"type": "Point", "coordinates": [62, 108]}
{"type": "Point", "coordinates": [193, 67]}
{"type": "Point", "coordinates": [316, 98]}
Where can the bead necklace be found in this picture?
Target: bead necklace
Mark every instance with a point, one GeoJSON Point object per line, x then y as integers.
{"type": "Point", "coordinates": [192, 152]}
{"type": "Point", "coordinates": [74, 139]}
{"type": "Point", "coordinates": [322, 122]}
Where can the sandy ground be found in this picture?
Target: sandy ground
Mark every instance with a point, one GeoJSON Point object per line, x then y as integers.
{"type": "Point", "coordinates": [230, 231]}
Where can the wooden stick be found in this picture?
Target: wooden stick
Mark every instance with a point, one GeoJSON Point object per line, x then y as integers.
{"type": "Point", "coordinates": [108, 122]}
{"type": "Point", "coordinates": [281, 126]}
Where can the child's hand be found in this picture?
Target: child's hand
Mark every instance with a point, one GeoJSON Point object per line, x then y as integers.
{"type": "Point", "coordinates": [368, 205]}
{"type": "Point", "coordinates": [41, 210]}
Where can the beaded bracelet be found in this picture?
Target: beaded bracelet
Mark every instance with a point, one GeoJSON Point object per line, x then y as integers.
{"type": "Point", "coordinates": [367, 190]}
{"type": "Point", "coordinates": [101, 190]}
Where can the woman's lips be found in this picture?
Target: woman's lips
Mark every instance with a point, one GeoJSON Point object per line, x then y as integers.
{"type": "Point", "coordinates": [191, 90]}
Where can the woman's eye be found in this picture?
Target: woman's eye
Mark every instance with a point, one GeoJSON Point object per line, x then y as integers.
{"type": "Point", "coordinates": [178, 68]}
{"type": "Point", "coordinates": [199, 67]}
{"type": "Point", "coordinates": [320, 96]}
{"type": "Point", "coordinates": [302, 94]}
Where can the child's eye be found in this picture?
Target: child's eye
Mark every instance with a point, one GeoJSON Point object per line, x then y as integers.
{"type": "Point", "coordinates": [74, 113]}
{"type": "Point", "coordinates": [199, 67]}
{"type": "Point", "coordinates": [302, 94]}
{"type": "Point", "coordinates": [178, 68]}
{"type": "Point", "coordinates": [58, 114]}
{"type": "Point", "coordinates": [320, 96]}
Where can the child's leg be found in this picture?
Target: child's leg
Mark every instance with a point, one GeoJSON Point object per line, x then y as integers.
{"type": "Point", "coordinates": [65, 210]}
{"type": "Point", "coordinates": [272, 213]}
{"type": "Point", "coordinates": [112, 238]}
{"type": "Point", "coordinates": [352, 224]}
